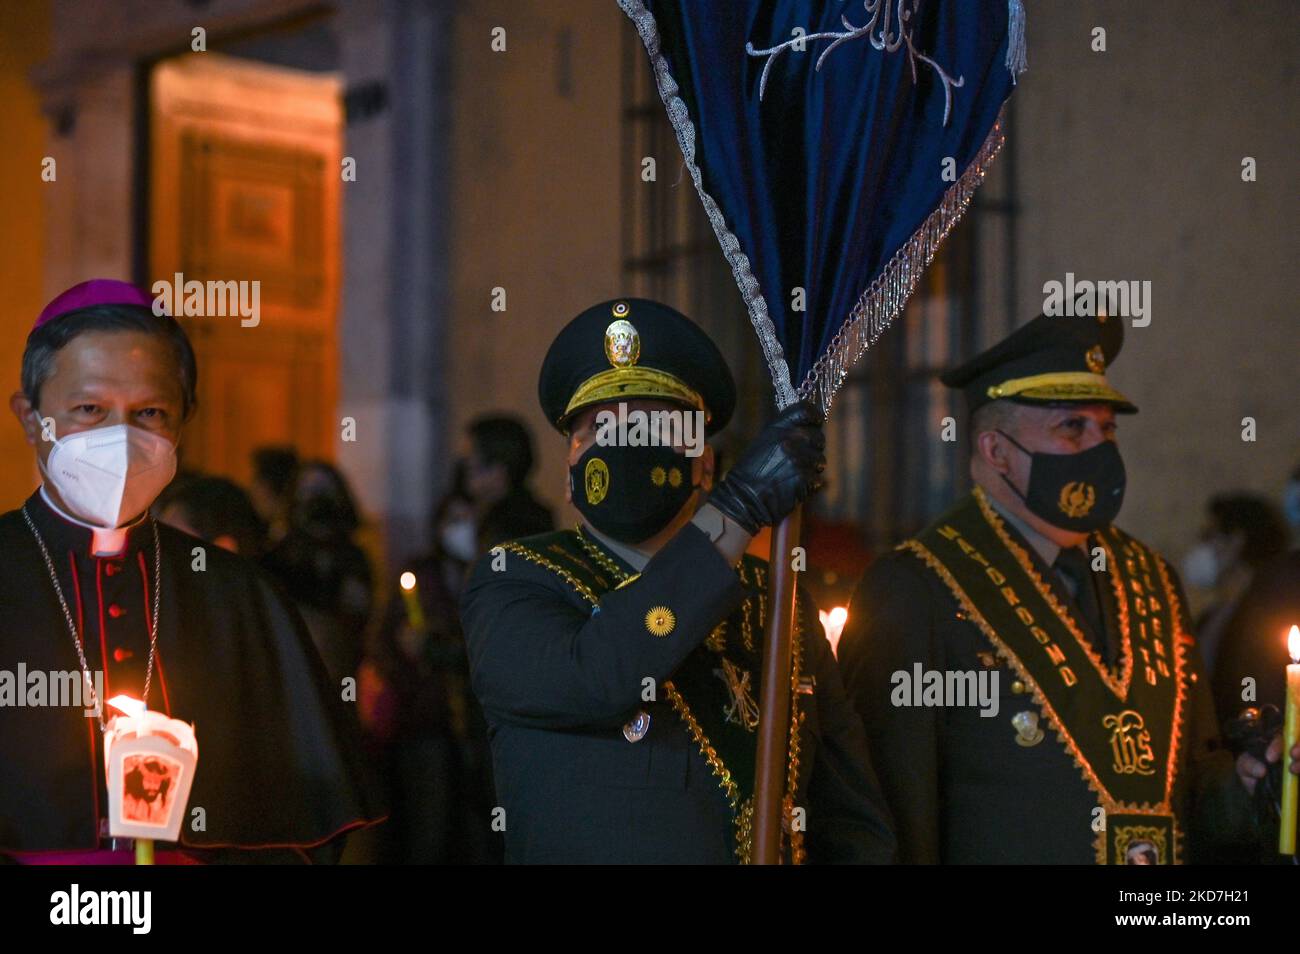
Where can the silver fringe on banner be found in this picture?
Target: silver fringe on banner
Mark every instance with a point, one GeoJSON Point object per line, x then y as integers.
{"type": "Point", "coordinates": [884, 300]}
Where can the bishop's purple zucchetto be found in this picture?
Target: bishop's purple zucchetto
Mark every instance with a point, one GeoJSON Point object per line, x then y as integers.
{"type": "Point", "coordinates": [97, 291]}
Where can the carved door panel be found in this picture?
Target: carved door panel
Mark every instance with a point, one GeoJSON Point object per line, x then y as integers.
{"type": "Point", "coordinates": [244, 187]}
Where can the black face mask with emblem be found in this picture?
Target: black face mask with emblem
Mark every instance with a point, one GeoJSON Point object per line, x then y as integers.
{"type": "Point", "coordinates": [1080, 492]}
{"type": "Point", "coordinates": [630, 493]}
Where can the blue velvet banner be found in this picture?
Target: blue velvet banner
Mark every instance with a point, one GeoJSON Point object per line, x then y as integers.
{"type": "Point", "coordinates": [833, 143]}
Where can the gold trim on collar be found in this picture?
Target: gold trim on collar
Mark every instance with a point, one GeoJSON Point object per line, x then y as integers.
{"type": "Point", "coordinates": [1058, 386]}
{"type": "Point", "coordinates": [1118, 686]}
{"type": "Point", "coordinates": [614, 384]}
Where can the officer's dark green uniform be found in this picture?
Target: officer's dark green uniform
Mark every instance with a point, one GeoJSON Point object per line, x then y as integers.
{"type": "Point", "coordinates": [622, 705]}
{"type": "Point", "coordinates": [1102, 746]}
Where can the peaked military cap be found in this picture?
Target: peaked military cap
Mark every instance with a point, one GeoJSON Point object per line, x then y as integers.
{"type": "Point", "coordinates": [1049, 360]}
{"type": "Point", "coordinates": [632, 348]}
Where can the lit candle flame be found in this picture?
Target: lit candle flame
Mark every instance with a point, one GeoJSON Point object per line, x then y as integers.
{"type": "Point", "coordinates": [407, 580]}
{"type": "Point", "coordinates": [1293, 644]}
{"type": "Point", "coordinates": [833, 622]}
{"type": "Point", "coordinates": [127, 705]}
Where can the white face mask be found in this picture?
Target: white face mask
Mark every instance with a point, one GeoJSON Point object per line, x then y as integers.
{"type": "Point", "coordinates": [1201, 566]}
{"type": "Point", "coordinates": [460, 539]}
{"type": "Point", "coordinates": [109, 475]}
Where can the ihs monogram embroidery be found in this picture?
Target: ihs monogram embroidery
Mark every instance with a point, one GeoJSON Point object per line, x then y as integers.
{"type": "Point", "coordinates": [743, 709]}
{"type": "Point", "coordinates": [1130, 743]}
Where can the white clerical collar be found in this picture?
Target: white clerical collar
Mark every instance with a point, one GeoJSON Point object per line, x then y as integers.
{"type": "Point", "coordinates": [105, 541]}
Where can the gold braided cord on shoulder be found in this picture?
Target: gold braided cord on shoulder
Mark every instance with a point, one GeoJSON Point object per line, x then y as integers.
{"type": "Point", "coordinates": [583, 590]}
{"type": "Point", "coordinates": [1118, 686]}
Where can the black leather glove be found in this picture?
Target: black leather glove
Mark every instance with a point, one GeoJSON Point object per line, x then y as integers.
{"type": "Point", "coordinates": [777, 471]}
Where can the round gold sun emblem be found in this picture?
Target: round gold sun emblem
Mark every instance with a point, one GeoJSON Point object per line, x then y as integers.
{"type": "Point", "coordinates": [1077, 499]}
{"type": "Point", "coordinates": [1096, 359]}
{"type": "Point", "coordinates": [622, 344]}
{"type": "Point", "coordinates": [595, 478]}
{"type": "Point", "coordinates": [660, 621]}
{"type": "Point", "coordinates": [657, 476]}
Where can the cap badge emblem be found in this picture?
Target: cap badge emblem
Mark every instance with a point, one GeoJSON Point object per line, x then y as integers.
{"type": "Point", "coordinates": [622, 342]}
{"type": "Point", "coordinates": [595, 479]}
{"type": "Point", "coordinates": [1077, 498]}
{"type": "Point", "coordinates": [1096, 359]}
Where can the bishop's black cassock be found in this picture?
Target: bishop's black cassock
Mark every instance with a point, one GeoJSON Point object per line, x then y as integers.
{"type": "Point", "coordinates": [279, 766]}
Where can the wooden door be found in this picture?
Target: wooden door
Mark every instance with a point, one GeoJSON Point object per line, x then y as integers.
{"type": "Point", "coordinates": [244, 186]}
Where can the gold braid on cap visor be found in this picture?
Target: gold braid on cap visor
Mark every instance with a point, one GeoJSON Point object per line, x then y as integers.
{"type": "Point", "coordinates": [1058, 386]}
{"type": "Point", "coordinates": [618, 384]}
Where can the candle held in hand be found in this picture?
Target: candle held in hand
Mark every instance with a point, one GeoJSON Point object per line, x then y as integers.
{"type": "Point", "coordinates": [1290, 735]}
{"type": "Point", "coordinates": [414, 611]}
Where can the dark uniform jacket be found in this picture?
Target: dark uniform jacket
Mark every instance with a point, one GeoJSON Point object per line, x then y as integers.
{"type": "Point", "coordinates": [960, 787]}
{"type": "Point", "coordinates": [560, 656]}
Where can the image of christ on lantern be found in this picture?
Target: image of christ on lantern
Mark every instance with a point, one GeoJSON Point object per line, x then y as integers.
{"type": "Point", "coordinates": [148, 783]}
{"type": "Point", "coordinates": [1141, 853]}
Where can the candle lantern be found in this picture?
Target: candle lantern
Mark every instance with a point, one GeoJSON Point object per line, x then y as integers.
{"type": "Point", "coordinates": [149, 760]}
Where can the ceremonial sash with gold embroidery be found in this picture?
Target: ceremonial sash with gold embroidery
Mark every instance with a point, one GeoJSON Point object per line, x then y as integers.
{"type": "Point", "coordinates": [715, 691]}
{"type": "Point", "coordinates": [1122, 727]}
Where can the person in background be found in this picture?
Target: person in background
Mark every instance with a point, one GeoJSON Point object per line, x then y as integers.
{"type": "Point", "coordinates": [322, 567]}
{"type": "Point", "coordinates": [1242, 532]}
{"type": "Point", "coordinates": [424, 727]}
{"type": "Point", "coordinates": [1253, 641]}
{"type": "Point", "coordinates": [214, 509]}
{"type": "Point", "coordinates": [497, 466]}
{"type": "Point", "coordinates": [275, 470]}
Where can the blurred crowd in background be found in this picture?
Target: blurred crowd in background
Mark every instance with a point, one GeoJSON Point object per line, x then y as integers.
{"type": "Point", "coordinates": [425, 733]}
